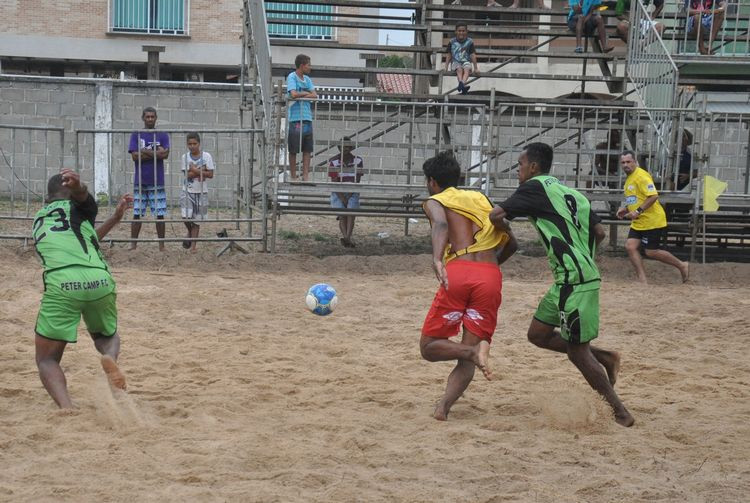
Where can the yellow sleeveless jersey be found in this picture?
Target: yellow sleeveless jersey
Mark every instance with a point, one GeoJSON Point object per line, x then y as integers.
{"type": "Point", "coordinates": [476, 207]}
{"type": "Point", "coordinates": [638, 187]}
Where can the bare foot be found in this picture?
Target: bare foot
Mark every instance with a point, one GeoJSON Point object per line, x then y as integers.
{"type": "Point", "coordinates": [114, 375]}
{"type": "Point", "coordinates": [685, 271]}
{"type": "Point", "coordinates": [624, 418]}
{"type": "Point", "coordinates": [193, 250]}
{"type": "Point", "coordinates": [133, 246]}
{"type": "Point", "coordinates": [482, 359]}
{"type": "Point", "coordinates": [609, 48]}
{"type": "Point", "coordinates": [492, 3]}
{"type": "Point", "coordinates": [611, 363]}
{"type": "Point", "coordinates": [441, 414]}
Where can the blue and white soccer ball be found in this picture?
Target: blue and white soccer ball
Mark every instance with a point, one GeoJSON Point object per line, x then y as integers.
{"type": "Point", "coordinates": [321, 299]}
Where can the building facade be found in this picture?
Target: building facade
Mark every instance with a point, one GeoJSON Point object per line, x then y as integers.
{"type": "Point", "coordinates": [201, 39]}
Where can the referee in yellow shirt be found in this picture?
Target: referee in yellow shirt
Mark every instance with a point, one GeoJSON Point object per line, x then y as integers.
{"type": "Point", "coordinates": [649, 222]}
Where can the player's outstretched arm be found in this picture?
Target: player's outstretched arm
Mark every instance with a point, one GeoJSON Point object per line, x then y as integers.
{"type": "Point", "coordinates": [125, 202]}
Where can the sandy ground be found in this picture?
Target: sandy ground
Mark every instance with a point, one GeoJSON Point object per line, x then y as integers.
{"type": "Point", "coordinates": [237, 393]}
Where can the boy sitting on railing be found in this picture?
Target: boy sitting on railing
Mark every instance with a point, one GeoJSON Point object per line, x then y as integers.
{"type": "Point", "coordinates": [461, 57]}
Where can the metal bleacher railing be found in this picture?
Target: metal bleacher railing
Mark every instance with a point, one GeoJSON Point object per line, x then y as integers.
{"type": "Point", "coordinates": [394, 134]}
{"type": "Point", "coordinates": [724, 33]}
{"type": "Point", "coordinates": [652, 73]}
{"type": "Point", "coordinates": [101, 157]}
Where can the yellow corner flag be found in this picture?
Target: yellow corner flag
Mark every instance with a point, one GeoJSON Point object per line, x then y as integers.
{"type": "Point", "coordinates": [712, 189]}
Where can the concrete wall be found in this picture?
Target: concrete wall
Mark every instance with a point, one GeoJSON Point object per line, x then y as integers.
{"type": "Point", "coordinates": [85, 103]}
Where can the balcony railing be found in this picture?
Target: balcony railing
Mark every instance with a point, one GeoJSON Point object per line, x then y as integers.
{"type": "Point", "coordinates": [307, 12]}
{"type": "Point", "coordinates": [159, 17]}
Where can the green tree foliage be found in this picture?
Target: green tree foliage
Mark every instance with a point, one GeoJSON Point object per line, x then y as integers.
{"type": "Point", "coordinates": [394, 61]}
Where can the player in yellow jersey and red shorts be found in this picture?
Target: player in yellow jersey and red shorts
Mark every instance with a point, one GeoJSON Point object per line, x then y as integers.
{"type": "Point", "coordinates": [466, 251]}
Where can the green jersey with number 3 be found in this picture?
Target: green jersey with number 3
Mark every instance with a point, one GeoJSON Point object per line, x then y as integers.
{"type": "Point", "coordinates": [64, 235]}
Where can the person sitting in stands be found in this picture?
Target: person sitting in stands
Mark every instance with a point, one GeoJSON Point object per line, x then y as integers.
{"type": "Point", "coordinates": [622, 9]}
{"type": "Point", "coordinates": [346, 167]}
{"type": "Point", "coordinates": [493, 3]}
{"type": "Point", "coordinates": [584, 19]}
{"type": "Point", "coordinates": [704, 17]}
{"type": "Point", "coordinates": [686, 171]}
{"type": "Point", "coordinates": [607, 165]}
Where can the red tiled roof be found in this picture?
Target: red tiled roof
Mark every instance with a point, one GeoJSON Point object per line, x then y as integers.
{"type": "Point", "coordinates": [394, 83]}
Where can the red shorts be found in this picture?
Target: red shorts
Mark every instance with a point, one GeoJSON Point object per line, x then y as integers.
{"type": "Point", "coordinates": [473, 297]}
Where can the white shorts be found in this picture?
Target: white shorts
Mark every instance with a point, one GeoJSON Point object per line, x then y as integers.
{"type": "Point", "coordinates": [455, 65]}
{"type": "Point", "coordinates": [194, 205]}
{"type": "Point", "coordinates": [646, 27]}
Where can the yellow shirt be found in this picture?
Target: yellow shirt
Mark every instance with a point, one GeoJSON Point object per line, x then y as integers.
{"type": "Point", "coordinates": [476, 207]}
{"type": "Point", "coordinates": [638, 187]}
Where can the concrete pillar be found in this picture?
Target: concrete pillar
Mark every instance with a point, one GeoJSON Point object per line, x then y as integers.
{"type": "Point", "coordinates": [371, 61]}
{"type": "Point", "coordinates": [102, 141]}
{"type": "Point", "coordinates": [152, 70]}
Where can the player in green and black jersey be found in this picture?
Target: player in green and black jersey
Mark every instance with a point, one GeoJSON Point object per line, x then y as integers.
{"type": "Point", "coordinates": [570, 232]}
{"type": "Point", "coordinates": [77, 282]}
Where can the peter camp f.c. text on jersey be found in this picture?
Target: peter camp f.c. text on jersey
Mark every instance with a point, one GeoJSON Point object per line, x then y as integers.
{"type": "Point", "coordinates": [565, 223]}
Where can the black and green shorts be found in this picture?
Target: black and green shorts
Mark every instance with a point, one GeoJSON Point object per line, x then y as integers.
{"type": "Point", "coordinates": [573, 308]}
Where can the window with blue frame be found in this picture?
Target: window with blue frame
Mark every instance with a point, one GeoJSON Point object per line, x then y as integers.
{"type": "Point", "coordinates": [162, 17]}
{"type": "Point", "coordinates": [308, 12]}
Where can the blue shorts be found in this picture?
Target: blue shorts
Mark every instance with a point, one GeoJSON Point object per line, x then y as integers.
{"type": "Point", "coordinates": [589, 28]}
{"type": "Point", "coordinates": [300, 137]}
{"type": "Point", "coordinates": [153, 196]}
{"type": "Point", "coordinates": [341, 200]}
{"type": "Point", "coordinates": [706, 20]}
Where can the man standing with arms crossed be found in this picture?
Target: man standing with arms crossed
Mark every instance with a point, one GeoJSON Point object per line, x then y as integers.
{"type": "Point", "coordinates": [148, 151]}
{"type": "Point", "coordinates": [466, 252]}
{"type": "Point", "coordinates": [570, 232]}
{"type": "Point", "coordinates": [649, 219]}
{"type": "Point", "coordinates": [300, 87]}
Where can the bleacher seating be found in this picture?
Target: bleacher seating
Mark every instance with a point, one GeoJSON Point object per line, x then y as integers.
{"type": "Point", "coordinates": [503, 38]}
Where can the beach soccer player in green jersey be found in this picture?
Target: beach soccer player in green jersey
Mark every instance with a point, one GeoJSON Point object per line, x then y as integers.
{"type": "Point", "coordinates": [77, 282]}
{"type": "Point", "coordinates": [570, 232]}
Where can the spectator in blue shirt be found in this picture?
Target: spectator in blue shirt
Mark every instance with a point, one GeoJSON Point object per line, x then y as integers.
{"type": "Point", "coordinates": [300, 88]}
{"type": "Point", "coordinates": [583, 18]}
